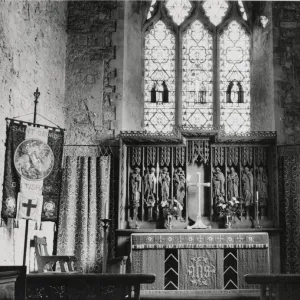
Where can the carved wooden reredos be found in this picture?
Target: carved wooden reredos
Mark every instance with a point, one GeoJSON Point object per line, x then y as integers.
{"type": "Point", "coordinates": [159, 171]}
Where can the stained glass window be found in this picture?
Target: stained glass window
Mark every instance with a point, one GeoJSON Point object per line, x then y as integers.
{"type": "Point", "coordinates": [159, 83]}
{"type": "Point", "coordinates": [215, 10]}
{"type": "Point", "coordinates": [235, 79]}
{"type": "Point", "coordinates": [200, 62]}
{"type": "Point", "coordinates": [151, 9]}
{"type": "Point", "coordinates": [242, 10]}
{"type": "Point", "coordinates": [178, 9]}
{"type": "Point", "coordinates": [197, 76]}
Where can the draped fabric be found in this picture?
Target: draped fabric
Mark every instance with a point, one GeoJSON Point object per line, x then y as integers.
{"type": "Point", "coordinates": [289, 190]}
{"type": "Point", "coordinates": [84, 202]}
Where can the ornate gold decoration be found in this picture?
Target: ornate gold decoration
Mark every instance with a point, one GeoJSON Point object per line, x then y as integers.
{"type": "Point", "coordinates": [151, 156]}
{"type": "Point", "coordinates": [233, 156]}
{"type": "Point", "coordinates": [165, 156]}
{"type": "Point", "coordinates": [201, 271]}
{"type": "Point", "coordinates": [136, 156]}
{"type": "Point", "coordinates": [219, 156]}
{"type": "Point", "coordinates": [179, 156]}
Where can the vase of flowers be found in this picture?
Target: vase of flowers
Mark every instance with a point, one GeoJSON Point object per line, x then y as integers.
{"type": "Point", "coordinates": [229, 210]}
{"type": "Point", "coordinates": [171, 209]}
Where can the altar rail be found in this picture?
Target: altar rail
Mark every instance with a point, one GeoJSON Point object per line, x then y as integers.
{"type": "Point", "coordinates": [86, 286]}
{"type": "Point", "coordinates": [276, 286]}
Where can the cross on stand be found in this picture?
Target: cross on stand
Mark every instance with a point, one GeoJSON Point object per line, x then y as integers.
{"type": "Point", "coordinates": [199, 224]}
{"type": "Point", "coordinates": [29, 205]}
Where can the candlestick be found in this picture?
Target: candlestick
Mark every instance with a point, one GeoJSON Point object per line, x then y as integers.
{"type": "Point", "coordinates": [105, 224]}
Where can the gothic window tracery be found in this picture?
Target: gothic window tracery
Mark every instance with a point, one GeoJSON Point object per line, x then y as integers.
{"type": "Point", "coordinates": [197, 71]}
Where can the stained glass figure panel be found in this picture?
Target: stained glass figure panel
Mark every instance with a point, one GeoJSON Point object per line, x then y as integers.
{"type": "Point", "coordinates": [197, 76]}
{"type": "Point", "coordinates": [235, 79]}
{"type": "Point", "coordinates": [178, 9]}
{"type": "Point", "coordinates": [159, 114]}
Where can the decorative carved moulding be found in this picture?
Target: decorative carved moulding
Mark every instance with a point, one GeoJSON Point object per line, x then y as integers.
{"type": "Point", "coordinates": [247, 137]}
{"type": "Point", "coordinates": [202, 131]}
{"type": "Point", "coordinates": [144, 137]}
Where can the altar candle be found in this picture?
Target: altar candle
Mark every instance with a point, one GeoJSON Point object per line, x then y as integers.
{"type": "Point", "coordinates": [257, 196]}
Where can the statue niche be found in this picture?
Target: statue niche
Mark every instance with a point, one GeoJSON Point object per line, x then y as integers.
{"type": "Point", "coordinates": [179, 185]}
{"type": "Point", "coordinates": [150, 183]}
{"type": "Point", "coordinates": [164, 182]}
{"type": "Point", "coordinates": [247, 189]}
{"type": "Point", "coordinates": [262, 190]}
{"type": "Point", "coordinates": [232, 184]}
{"type": "Point", "coordinates": [136, 189]}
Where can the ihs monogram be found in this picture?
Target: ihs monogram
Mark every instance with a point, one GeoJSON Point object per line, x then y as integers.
{"type": "Point", "coordinates": [200, 271]}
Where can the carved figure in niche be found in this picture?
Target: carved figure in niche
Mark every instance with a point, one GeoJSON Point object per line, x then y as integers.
{"type": "Point", "coordinates": [218, 181]}
{"type": "Point", "coordinates": [150, 192]}
{"type": "Point", "coordinates": [232, 184]}
{"type": "Point", "coordinates": [164, 180]}
{"type": "Point", "coordinates": [136, 185]}
{"type": "Point", "coordinates": [262, 186]}
{"type": "Point", "coordinates": [179, 185]}
{"type": "Point", "coordinates": [247, 183]}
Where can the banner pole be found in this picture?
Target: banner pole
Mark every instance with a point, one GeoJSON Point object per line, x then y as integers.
{"type": "Point", "coordinates": [25, 242]}
{"type": "Point", "coordinates": [36, 97]}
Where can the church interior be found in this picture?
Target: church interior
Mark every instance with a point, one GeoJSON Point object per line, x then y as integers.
{"type": "Point", "coordinates": [151, 148]}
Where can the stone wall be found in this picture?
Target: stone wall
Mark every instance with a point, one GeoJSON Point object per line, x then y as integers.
{"type": "Point", "coordinates": [32, 54]}
{"type": "Point", "coordinates": [286, 36]}
{"type": "Point", "coordinates": [90, 81]}
{"type": "Point", "coordinates": [262, 83]}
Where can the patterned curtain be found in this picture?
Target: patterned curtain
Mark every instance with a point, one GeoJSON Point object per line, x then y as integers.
{"type": "Point", "coordinates": [289, 189]}
{"type": "Point", "coordinates": [84, 202]}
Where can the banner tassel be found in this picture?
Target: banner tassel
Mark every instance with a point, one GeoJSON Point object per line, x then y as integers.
{"type": "Point", "coordinates": [41, 226]}
{"type": "Point", "coordinates": [36, 226]}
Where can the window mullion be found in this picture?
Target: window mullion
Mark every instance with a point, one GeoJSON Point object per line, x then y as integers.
{"type": "Point", "coordinates": [216, 79]}
{"type": "Point", "coordinates": [178, 81]}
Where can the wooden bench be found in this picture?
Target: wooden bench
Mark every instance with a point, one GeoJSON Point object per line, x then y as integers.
{"type": "Point", "coordinates": [271, 285]}
{"type": "Point", "coordinates": [86, 286]}
{"type": "Point", "coordinates": [12, 282]}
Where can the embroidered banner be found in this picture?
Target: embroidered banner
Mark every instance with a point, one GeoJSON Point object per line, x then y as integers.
{"type": "Point", "coordinates": [33, 167]}
{"type": "Point", "coordinates": [29, 207]}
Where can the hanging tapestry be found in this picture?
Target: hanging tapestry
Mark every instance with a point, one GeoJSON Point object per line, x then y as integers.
{"type": "Point", "coordinates": [85, 200]}
{"type": "Point", "coordinates": [32, 169]}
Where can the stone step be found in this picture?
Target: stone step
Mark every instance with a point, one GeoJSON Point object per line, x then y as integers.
{"type": "Point", "coordinates": [186, 296]}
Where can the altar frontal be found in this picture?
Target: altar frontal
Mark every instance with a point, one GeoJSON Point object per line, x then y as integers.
{"type": "Point", "coordinates": [200, 261]}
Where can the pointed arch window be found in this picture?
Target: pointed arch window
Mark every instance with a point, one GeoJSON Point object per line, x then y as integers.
{"type": "Point", "coordinates": [159, 83]}
{"type": "Point", "coordinates": [197, 65]}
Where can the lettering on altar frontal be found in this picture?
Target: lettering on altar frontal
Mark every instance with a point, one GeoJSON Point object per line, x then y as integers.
{"type": "Point", "coordinates": [200, 271]}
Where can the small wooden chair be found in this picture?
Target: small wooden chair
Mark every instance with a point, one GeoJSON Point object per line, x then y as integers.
{"type": "Point", "coordinates": [46, 260]}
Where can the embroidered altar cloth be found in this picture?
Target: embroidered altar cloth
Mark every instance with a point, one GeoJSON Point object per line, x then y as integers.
{"type": "Point", "coordinates": [199, 240]}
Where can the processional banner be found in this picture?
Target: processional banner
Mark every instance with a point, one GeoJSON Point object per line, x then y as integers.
{"type": "Point", "coordinates": [32, 172]}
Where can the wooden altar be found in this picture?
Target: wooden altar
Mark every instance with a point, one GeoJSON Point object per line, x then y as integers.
{"type": "Point", "coordinates": [168, 182]}
{"type": "Point", "coordinates": [200, 263]}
